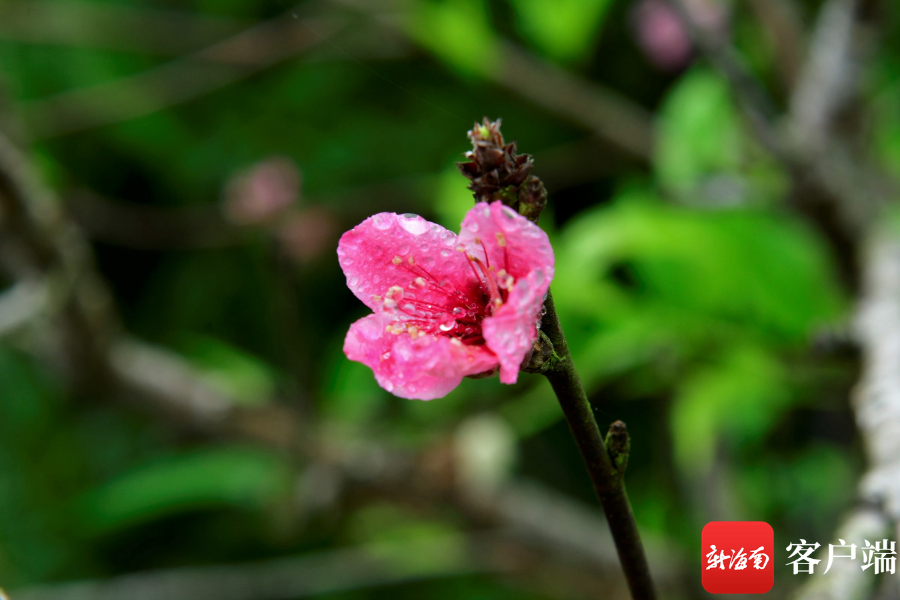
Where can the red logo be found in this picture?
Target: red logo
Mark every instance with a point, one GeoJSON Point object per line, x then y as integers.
{"type": "Point", "coordinates": [738, 557]}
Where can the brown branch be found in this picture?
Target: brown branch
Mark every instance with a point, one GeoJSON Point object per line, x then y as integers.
{"type": "Point", "coordinates": [607, 480]}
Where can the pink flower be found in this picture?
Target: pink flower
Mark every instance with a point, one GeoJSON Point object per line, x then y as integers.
{"type": "Point", "coordinates": [445, 306]}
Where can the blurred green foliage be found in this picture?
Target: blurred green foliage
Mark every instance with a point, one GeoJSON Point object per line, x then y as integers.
{"type": "Point", "coordinates": [690, 295]}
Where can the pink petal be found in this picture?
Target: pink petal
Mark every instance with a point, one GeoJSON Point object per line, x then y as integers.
{"type": "Point", "coordinates": [517, 245]}
{"type": "Point", "coordinates": [512, 330]}
{"type": "Point", "coordinates": [527, 247]}
{"type": "Point", "coordinates": [375, 255]}
{"type": "Point", "coordinates": [424, 368]}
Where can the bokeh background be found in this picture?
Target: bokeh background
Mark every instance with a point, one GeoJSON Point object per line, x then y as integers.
{"type": "Point", "coordinates": [177, 419]}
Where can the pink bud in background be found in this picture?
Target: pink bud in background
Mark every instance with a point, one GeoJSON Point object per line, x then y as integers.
{"type": "Point", "coordinates": [663, 37]}
{"type": "Point", "coordinates": [263, 192]}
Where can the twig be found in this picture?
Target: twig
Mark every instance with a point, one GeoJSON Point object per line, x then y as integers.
{"type": "Point", "coordinates": [608, 482]}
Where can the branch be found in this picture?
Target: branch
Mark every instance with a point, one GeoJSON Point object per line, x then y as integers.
{"type": "Point", "coordinates": [302, 576]}
{"type": "Point", "coordinates": [607, 481]}
{"type": "Point", "coordinates": [600, 110]}
{"type": "Point", "coordinates": [877, 396]}
{"type": "Point", "coordinates": [112, 27]}
{"type": "Point", "coordinates": [178, 81]}
{"type": "Point", "coordinates": [876, 403]}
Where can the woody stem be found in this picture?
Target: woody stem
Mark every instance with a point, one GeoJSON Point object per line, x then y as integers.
{"type": "Point", "coordinates": [608, 483]}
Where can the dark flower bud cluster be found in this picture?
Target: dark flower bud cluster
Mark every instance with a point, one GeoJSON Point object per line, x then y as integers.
{"type": "Point", "coordinates": [496, 172]}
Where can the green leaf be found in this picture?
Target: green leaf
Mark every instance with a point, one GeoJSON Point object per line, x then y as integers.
{"type": "Point", "coordinates": [737, 398]}
{"type": "Point", "coordinates": [699, 133]}
{"type": "Point", "coordinates": [458, 32]}
{"type": "Point", "coordinates": [244, 478]}
{"type": "Point", "coordinates": [564, 30]}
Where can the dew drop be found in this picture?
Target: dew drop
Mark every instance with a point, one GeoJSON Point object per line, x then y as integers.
{"type": "Point", "coordinates": [447, 326]}
{"type": "Point", "coordinates": [354, 281]}
{"type": "Point", "coordinates": [445, 253]}
{"type": "Point", "coordinates": [404, 250]}
{"type": "Point", "coordinates": [382, 221]}
{"type": "Point", "coordinates": [459, 311]}
{"type": "Point", "coordinates": [413, 223]}
{"type": "Point", "coordinates": [472, 226]}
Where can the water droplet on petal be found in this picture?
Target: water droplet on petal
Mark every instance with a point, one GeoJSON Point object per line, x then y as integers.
{"type": "Point", "coordinates": [447, 326]}
{"type": "Point", "coordinates": [472, 226]}
{"type": "Point", "coordinates": [413, 223]}
{"type": "Point", "coordinates": [354, 281]}
{"type": "Point", "coordinates": [382, 221]}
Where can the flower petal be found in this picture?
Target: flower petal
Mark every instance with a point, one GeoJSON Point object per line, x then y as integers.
{"type": "Point", "coordinates": [423, 368]}
{"type": "Point", "coordinates": [388, 250]}
{"type": "Point", "coordinates": [512, 330]}
{"type": "Point", "coordinates": [510, 241]}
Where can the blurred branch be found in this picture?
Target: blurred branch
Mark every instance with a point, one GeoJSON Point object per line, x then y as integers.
{"type": "Point", "coordinates": [782, 24]}
{"type": "Point", "coordinates": [877, 396]}
{"type": "Point", "coordinates": [21, 304]}
{"type": "Point", "coordinates": [178, 81]}
{"type": "Point", "coordinates": [604, 112]}
{"type": "Point", "coordinates": [600, 110]}
{"type": "Point", "coordinates": [151, 227]}
{"type": "Point", "coordinates": [752, 97]}
{"type": "Point", "coordinates": [833, 187]}
{"type": "Point", "coordinates": [112, 27]}
{"type": "Point", "coordinates": [877, 405]}
{"type": "Point", "coordinates": [304, 576]}
{"type": "Point", "coordinates": [74, 326]}
{"type": "Point", "coordinates": [845, 580]}
{"type": "Point", "coordinates": [828, 79]}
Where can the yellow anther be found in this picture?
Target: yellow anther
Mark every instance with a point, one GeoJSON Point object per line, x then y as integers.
{"type": "Point", "coordinates": [397, 260]}
{"type": "Point", "coordinates": [411, 261]}
{"type": "Point", "coordinates": [501, 240]}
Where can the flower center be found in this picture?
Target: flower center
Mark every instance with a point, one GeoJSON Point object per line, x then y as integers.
{"type": "Point", "coordinates": [429, 306]}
